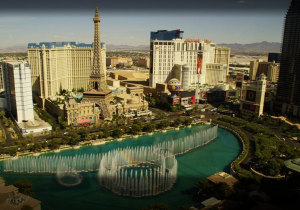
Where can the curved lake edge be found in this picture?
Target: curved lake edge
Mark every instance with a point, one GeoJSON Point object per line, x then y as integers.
{"type": "Point", "coordinates": [192, 167]}
{"type": "Point", "coordinates": [97, 142]}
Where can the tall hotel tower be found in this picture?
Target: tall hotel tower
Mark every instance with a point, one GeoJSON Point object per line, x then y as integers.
{"type": "Point", "coordinates": [288, 91]}
{"type": "Point", "coordinates": [169, 52]}
{"type": "Point", "coordinates": [17, 80]}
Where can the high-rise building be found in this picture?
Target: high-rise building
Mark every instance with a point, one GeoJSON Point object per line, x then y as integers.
{"type": "Point", "coordinates": [222, 56]}
{"type": "Point", "coordinates": [288, 90]}
{"type": "Point", "coordinates": [169, 52]}
{"type": "Point", "coordinates": [17, 80]}
{"type": "Point", "coordinates": [274, 57]}
{"type": "Point", "coordinates": [60, 65]}
{"type": "Point", "coordinates": [144, 62]}
{"type": "Point", "coordinates": [215, 73]}
{"type": "Point", "coordinates": [270, 69]}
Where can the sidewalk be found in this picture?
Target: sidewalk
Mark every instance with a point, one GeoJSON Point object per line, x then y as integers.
{"type": "Point", "coordinates": [288, 122]}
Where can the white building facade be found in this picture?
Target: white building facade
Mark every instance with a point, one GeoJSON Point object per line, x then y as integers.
{"type": "Point", "coordinates": [169, 52]}
{"type": "Point", "coordinates": [215, 73]}
{"type": "Point", "coordinates": [17, 80]}
{"type": "Point", "coordinates": [56, 66]}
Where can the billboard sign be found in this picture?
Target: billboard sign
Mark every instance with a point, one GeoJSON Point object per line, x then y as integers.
{"type": "Point", "coordinates": [248, 107]}
{"type": "Point", "coordinates": [251, 95]}
{"type": "Point", "coordinates": [176, 101]}
{"type": "Point", "coordinates": [199, 63]}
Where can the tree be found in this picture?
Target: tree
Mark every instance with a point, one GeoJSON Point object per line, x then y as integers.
{"type": "Point", "coordinates": [36, 147]}
{"type": "Point", "coordinates": [10, 123]}
{"type": "Point", "coordinates": [74, 140]}
{"type": "Point", "coordinates": [100, 134]}
{"type": "Point", "coordinates": [188, 121]}
{"type": "Point", "coordinates": [223, 190]}
{"type": "Point", "coordinates": [83, 133]}
{"type": "Point", "coordinates": [12, 151]}
{"type": "Point", "coordinates": [29, 138]}
{"type": "Point", "coordinates": [204, 187]}
{"type": "Point", "coordinates": [163, 124]}
{"type": "Point", "coordinates": [64, 139]}
{"type": "Point", "coordinates": [176, 123]}
{"type": "Point", "coordinates": [94, 136]}
{"type": "Point", "coordinates": [25, 187]}
{"type": "Point", "coordinates": [135, 129]}
{"type": "Point", "coordinates": [117, 132]}
{"type": "Point", "coordinates": [272, 168]}
{"type": "Point", "coordinates": [23, 146]}
{"type": "Point", "coordinates": [156, 206]}
{"type": "Point", "coordinates": [2, 150]}
{"type": "Point", "coordinates": [150, 127]}
{"type": "Point", "coordinates": [2, 114]}
{"type": "Point", "coordinates": [54, 144]}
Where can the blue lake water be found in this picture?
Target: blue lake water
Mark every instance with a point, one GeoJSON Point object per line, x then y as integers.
{"type": "Point", "coordinates": [192, 167]}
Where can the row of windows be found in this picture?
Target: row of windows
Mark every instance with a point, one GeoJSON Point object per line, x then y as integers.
{"type": "Point", "coordinates": [163, 43]}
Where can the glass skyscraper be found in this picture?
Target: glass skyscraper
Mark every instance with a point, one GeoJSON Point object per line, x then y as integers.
{"type": "Point", "coordinates": [288, 90]}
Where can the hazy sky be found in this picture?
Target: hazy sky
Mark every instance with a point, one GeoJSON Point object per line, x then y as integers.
{"type": "Point", "coordinates": [130, 22]}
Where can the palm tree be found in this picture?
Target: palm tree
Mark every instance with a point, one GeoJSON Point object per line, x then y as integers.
{"type": "Point", "coordinates": [2, 114]}
{"type": "Point", "coordinates": [10, 123]}
{"type": "Point", "coordinates": [31, 137]}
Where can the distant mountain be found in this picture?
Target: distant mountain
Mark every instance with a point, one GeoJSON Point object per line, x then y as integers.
{"type": "Point", "coordinates": [14, 49]}
{"type": "Point", "coordinates": [262, 47]}
{"type": "Point", "coordinates": [110, 47]}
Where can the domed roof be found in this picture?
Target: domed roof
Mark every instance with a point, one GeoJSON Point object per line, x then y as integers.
{"type": "Point", "coordinates": [174, 85]}
{"type": "Point", "coordinates": [173, 81]}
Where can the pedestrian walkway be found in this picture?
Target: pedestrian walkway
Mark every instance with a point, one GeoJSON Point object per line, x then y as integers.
{"type": "Point", "coordinates": [288, 122]}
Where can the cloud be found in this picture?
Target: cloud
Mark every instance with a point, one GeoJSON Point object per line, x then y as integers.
{"type": "Point", "coordinates": [242, 2]}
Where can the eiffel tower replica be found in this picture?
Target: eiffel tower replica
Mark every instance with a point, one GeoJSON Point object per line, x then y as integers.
{"type": "Point", "coordinates": [98, 92]}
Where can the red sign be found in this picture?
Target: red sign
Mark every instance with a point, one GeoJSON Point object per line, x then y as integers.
{"type": "Point", "coordinates": [199, 64]}
{"type": "Point", "coordinates": [176, 101]}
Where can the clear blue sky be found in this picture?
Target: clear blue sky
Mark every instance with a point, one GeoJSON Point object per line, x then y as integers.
{"type": "Point", "coordinates": [222, 21]}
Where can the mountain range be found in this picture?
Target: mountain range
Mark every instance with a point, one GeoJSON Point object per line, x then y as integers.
{"type": "Point", "coordinates": [261, 47]}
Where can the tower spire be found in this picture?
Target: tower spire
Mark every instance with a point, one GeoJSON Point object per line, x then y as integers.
{"type": "Point", "coordinates": [97, 78]}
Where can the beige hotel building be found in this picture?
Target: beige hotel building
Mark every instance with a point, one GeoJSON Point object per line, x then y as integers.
{"type": "Point", "coordinates": [61, 65]}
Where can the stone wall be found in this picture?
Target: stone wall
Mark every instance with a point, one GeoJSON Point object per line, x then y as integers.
{"type": "Point", "coordinates": [54, 109]}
